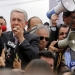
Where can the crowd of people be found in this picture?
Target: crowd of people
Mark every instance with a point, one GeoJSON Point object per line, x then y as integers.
{"type": "Point", "coordinates": [34, 51]}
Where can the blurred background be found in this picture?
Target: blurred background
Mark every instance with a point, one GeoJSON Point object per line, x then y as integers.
{"type": "Point", "coordinates": [33, 8]}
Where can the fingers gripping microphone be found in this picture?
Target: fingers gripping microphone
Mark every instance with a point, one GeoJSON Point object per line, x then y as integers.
{"type": "Point", "coordinates": [63, 6]}
{"type": "Point", "coordinates": [3, 28]}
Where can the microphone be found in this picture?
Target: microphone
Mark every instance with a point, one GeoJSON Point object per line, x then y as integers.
{"type": "Point", "coordinates": [11, 44]}
{"type": "Point", "coordinates": [32, 30]}
{"type": "Point", "coordinates": [3, 28]}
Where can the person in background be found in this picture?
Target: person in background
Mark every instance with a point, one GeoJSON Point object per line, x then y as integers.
{"type": "Point", "coordinates": [38, 67]}
{"type": "Point", "coordinates": [48, 57]}
{"type": "Point", "coordinates": [34, 21]}
{"type": "Point", "coordinates": [46, 24]}
{"type": "Point", "coordinates": [11, 72]}
{"type": "Point", "coordinates": [17, 72]}
{"type": "Point", "coordinates": [43, 32]}
{"type": "Point", "coordinates": [68, 19]}
{"type": "Point", "coordinates": [3, 23]}
{"type": "Point", "coordinates": [59, 53]}
{"type": "Point", "coordinates": [54, 29]}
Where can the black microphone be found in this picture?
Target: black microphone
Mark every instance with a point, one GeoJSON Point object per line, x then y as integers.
{"type": "Point", "coordinates": [10, 44]}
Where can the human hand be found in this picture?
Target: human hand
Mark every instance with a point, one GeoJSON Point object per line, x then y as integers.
{"type": "Point", "coordinates": [2, 63]}
{"type": "Point", "coordinates": [18, 32]}
{"type": "Point", "coordinates": [17, 64]}
{"type": "Point", "coordinates": [52, 48]}
{"type": "Point", "coordinates": [3, 54]}
{"type": "Point", "coordinates": [54, 19]}
{"type": "Point", "coordinates": [2, 58]}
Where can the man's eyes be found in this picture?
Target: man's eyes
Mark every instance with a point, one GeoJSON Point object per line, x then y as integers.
{"type": "Point", "coordinates": [19, 20]}
{"type": "Point", "coordinates": [1, 24]}
{"type": "Point", "coordinates": [62, 33]}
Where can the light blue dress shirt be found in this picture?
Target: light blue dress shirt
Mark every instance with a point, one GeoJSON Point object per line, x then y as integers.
{"type": "Point", "coordinates": [67, 57]}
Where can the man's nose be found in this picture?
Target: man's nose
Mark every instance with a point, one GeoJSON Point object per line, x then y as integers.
{"type": "Point", "coordinates": [16, 22]}
{"type": "Point", "coordinates": [44, 40]}
{"type": "Point", "coordinates": [64, 35]}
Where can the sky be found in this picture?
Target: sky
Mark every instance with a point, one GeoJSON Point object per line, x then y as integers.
{"type": "Point", "coordinates": [37, 8]}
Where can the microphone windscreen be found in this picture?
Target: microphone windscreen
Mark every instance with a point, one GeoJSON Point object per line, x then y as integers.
{"type": "Point", "coordinates": [3, 28]}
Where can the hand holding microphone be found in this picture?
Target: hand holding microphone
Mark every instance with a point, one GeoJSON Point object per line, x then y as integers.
{"type": "Point", "coordinates": [18, 32]}
{"type": "Point", "coordinates": [54, 19]}
{"type": "Point", "coordinates": [52, 47]}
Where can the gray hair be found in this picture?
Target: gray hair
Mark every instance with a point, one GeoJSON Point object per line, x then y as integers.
{"type": "Point", "coordinates": [42, 27]}
{"type": "Point", "coordinates": [21, 11]}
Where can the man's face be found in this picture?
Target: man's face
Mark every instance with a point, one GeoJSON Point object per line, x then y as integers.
{"type": "Point", "coordinates": [50, 61]}
{"type": "Point", "coordinates": [17, 19]}
{"type": "Point", "coordinates": [44, 38]}
{"type": "Point", "coordinates": [2, 22]}
{"type": "Point", "coordinates": [34, 22]}
{"type": "Point", "coordinates": [73, 15]}
{"type": "Point", "coordinates": [68, 20]}
{"type": "Point", "coordinates": [62, 33]}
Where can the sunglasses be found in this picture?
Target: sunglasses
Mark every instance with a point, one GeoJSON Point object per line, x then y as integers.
{"type": "Point", "coordinates": [46, 38]}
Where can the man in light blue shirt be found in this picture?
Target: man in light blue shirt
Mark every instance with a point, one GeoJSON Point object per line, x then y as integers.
{"type": "Point", "coordinates": [67, 57]}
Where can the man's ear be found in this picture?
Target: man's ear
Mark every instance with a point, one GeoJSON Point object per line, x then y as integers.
{"type": "Point", "coordinates": [64, 18]}
{"type": "Point", "coordinates": [26, 22]}
{"type": "Point", "coordinates": [26, 25]}
{"type": "Point", "coordinates": [28, 29]}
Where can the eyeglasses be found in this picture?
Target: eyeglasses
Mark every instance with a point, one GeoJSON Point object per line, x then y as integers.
{"type": "Point", "coordinates": [46, 38]}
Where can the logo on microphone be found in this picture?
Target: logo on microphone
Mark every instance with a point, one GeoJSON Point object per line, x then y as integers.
{"type": "Point", "coordinates": [11, 44]}
{"type": "Point", "coordinates": [72, 65]}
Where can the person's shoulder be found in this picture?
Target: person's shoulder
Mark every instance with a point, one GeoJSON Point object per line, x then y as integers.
{"type": "Point", "coordinates": [6, 33]}
{"type": "Point", "coordinates": [32, 35]}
